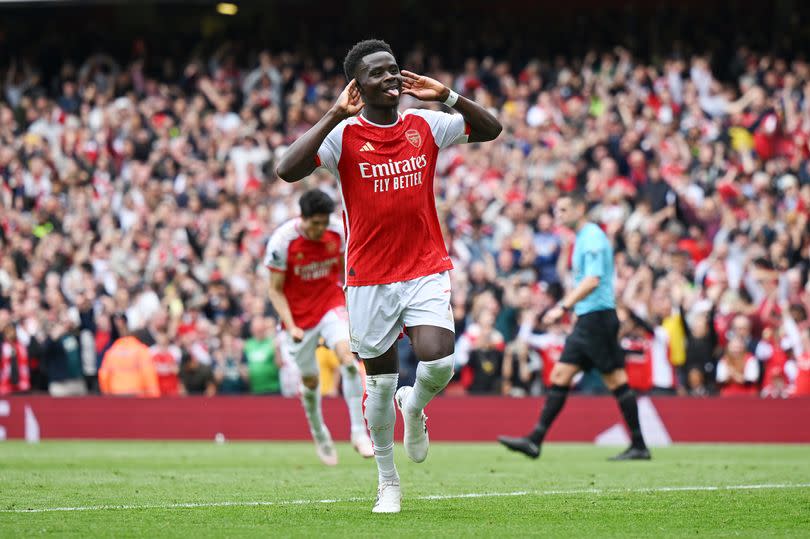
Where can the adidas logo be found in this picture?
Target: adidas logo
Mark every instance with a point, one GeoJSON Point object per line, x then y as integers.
{"type": "Point", "coordinates": [367, 147]}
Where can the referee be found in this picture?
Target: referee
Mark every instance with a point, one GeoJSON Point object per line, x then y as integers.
{"type": "Point", "coordinates": [594, 341]}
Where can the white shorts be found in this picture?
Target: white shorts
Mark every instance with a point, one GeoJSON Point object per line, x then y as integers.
{"type": "Point", "coordinates": [333, 327]}
{"type": "Point", "coordinates": [378, 313]}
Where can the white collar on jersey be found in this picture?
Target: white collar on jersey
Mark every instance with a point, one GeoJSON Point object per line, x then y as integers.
{"type": "Point", "coordinates": [366, 120]}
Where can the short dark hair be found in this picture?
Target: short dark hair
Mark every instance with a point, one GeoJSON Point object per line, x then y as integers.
{"type": "Point", "coordinates": [361, 49]}
{"type": "Point", "coordinates": [577, 198]}
{"type": "Point", "coordinates": [316, 202]}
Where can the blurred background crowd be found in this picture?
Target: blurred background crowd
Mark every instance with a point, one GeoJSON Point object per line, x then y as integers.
{"type": "Point", "coordinates": [137, 194]}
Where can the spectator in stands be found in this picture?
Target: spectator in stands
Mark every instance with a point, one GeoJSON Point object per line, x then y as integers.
{"type": "Point", "coordinates": [701, 347]}
{"type": "Point", "coordinates": [196, 378]}
{"type": "Point", "coordinates": [230, 370]}
{"type": "Point", "coordinates": [547, 343]}
{"type": "Point", "coordinates": [262, 357]}
{"type": "Point", "coordinates": [800, 374]}
{"type": "Point", "coordinates": [519, 370]}
{"type": "Point", "coordinates": [738, 370]}
{"type": "Point", "coordinates": [796, 369]}
{"type": "Point", "coordinates": [480, 355]}
{"type": "Point", "coordinates": [61, 356]}
{"type": "Point", "coordinates": [166, 360]}
{"type": "Point", "coordinates": [15, 376]}
{"type": "Point", "coordinates": [635, 338]}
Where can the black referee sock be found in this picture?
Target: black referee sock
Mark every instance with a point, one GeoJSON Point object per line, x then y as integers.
{"type": "Point", "coordinates": [554, 403]}
{"type": "Point", "coordinates": [626, 398]}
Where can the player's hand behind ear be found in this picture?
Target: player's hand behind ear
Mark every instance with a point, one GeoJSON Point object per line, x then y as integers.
{"type": "Point", "coordinates": [349, 102]}
{"type": "Point", "coordinates": [423, 88]}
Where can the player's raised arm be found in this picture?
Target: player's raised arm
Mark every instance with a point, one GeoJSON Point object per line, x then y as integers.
{"type": "Point", "coordinates": [300, 159]}
{"type": "Point", "coordinates": [483, 125]}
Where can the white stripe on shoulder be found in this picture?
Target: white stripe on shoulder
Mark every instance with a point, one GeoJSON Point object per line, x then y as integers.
{"type": "Point", "coordinates": [332, 146]}
{"type": "Point", "coordinates": [285, 233]}
{"type": "Point", "coordinates": [335, 224]}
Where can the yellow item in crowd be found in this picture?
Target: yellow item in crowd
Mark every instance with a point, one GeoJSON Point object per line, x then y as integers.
{"type": "Point", "coordinates": [741, 139]}
{"type": "Point", "coordinates": [677, 339]}
{"type": "Point", "coordinates": [176, 307]}
{"type": "Point", "coordinates": [32, 139]}
{"type": "Point", "coordinates": [329, 365]}
{"type": "Point", "coordinates": [509, 108]}
{"type": "Point", "coordinates": [127, 370]}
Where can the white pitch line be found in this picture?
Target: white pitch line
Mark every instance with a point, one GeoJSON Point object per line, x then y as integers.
{"type": "Point", "coordinates": [518, 493]}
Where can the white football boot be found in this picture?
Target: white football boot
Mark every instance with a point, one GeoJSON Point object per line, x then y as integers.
{"type": "Point", "coordinates": [416, 439]}
{"type": "Point", "coordinates": [325, 448]}
{"type": "Point", "coordinates": [362, 444]}
{"type": "Point", "coordinates": [389, 497]}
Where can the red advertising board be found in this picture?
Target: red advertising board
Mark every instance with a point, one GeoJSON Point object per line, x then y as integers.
{"type": "Point", "coordinates": [584, 419]}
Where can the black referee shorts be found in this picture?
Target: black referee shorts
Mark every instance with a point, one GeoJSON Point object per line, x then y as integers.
{"type": "Point", "coordinates": [594, 343]}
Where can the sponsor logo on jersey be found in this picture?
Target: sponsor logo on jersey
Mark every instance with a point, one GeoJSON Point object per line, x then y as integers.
{"type": "Point", "coordinates": [380, 170]}
{"type": "Point", "coordinates": [394, 175]}
{"type": "Point", "coordinates": [315, 270]}
{"type": "Point", "coordinates": [414, 137]}
{"type": "Point", "coordinates": [367, 147]}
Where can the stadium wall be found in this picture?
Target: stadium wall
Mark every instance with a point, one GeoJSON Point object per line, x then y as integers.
{"type": "Point", "coordinates": [584, 419]}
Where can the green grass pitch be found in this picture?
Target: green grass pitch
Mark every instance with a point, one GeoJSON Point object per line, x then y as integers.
{"type": "Point", "coordinates": [203, 489]}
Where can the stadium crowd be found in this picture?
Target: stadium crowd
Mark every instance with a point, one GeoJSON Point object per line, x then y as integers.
{"type": "Point", "coordinates": [137, 200]}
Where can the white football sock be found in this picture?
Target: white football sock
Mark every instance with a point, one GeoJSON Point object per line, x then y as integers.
{"type": "Point", "coordinates": [311, 400]}
{"type": "Point", "coordinates": [431, 378]}
{"type": "Point", "coordinates": [381, 416]}
{"type": "Point", "coordinates": [353, 393]}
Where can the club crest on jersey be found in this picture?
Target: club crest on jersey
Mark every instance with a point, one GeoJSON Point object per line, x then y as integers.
{"type": "Point", "coordinates": [414, 137]}
{"type": "Point", "coordinates": [331, 247]}
{"type": "Point", "coordinates": [299, 256]}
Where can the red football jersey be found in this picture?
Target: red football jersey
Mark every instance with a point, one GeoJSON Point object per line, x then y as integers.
{"type": "Point", "coordinates": [638, 363]}
{"type": "Point", "coordinates": [312, 270]}
{"type": "Point", "coordinates": [802, 386]}
{"type": "Point", "coordinates": [14, 351]}
{"type": "Point", "coordinates": [386, 178]}
{"type": "Point", "coordinates": [166, 363]}
{"type": "Point", "coordinates": [550, 346]}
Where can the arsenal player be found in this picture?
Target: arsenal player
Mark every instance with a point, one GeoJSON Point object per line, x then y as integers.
{"type": "Point", "coordinates": [396, 261]}
{"type": "Point", "coordinates": [305, 257]}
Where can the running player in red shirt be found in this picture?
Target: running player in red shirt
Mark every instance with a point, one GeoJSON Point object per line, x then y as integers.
{"type": "Point", "coordinates": [396, 261]}
{"type": "Point", "coordinates": [305, 257]}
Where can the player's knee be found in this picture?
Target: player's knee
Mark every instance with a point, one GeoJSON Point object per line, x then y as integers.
{"type": "Point", "coordinates": [310, 382]}
{"type": "Point", "coordinates": [379, 406]}
{"type": "Point", "coordinates": [615, 379]}
{"type": "Point", "coordinates": [436, 374]}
